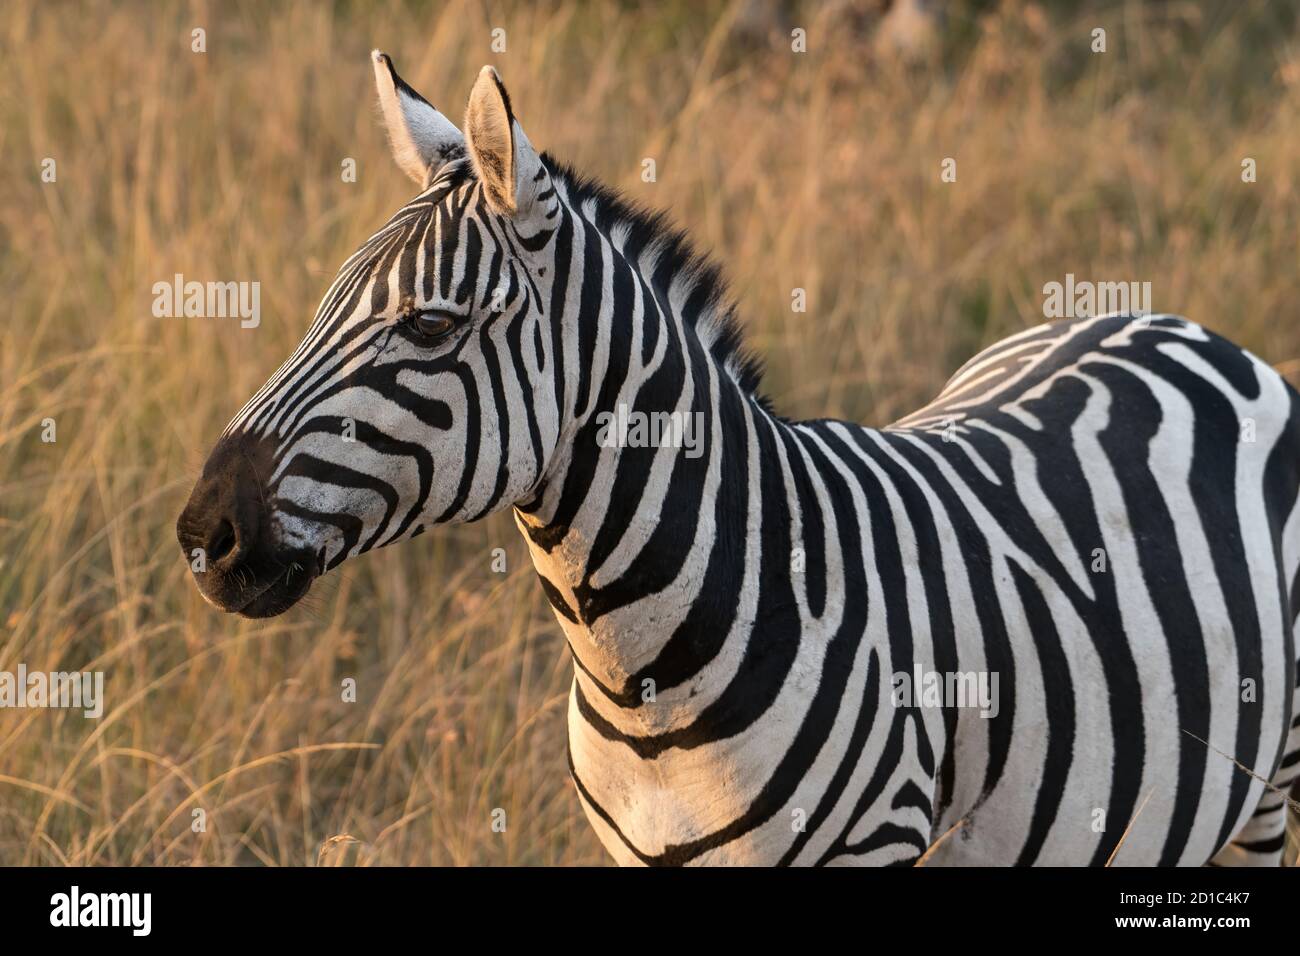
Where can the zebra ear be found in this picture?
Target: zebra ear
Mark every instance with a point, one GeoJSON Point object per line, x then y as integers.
{"type": "Point", "coordinates": [509, 168]}
{"type": "Point", "coordinates": [423, 140]}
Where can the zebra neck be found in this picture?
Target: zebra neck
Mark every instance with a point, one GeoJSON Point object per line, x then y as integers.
{"type": "Point", "coordinates": [660, 558]}
{"type": "Point", "coordinates": [645, 529]}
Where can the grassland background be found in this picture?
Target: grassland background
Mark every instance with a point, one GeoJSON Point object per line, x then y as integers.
{"type": "Point", "coordinates": [818, 171]}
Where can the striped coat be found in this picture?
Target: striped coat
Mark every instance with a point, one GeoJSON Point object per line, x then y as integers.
{"type": "Point", "coordinates": [1060, 597]}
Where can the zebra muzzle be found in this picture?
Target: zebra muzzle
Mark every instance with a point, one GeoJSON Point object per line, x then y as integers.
{"type": "Point", "coordinates": [228, 538]}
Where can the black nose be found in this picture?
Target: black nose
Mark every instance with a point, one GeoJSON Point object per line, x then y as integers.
{"type": "Point", "coordinates": [228, 534]}
{"type": "Point", "coordinates": [225, 517]}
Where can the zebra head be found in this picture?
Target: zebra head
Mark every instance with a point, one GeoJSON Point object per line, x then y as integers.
{"type": "Point", "coordinates": [423, 391]}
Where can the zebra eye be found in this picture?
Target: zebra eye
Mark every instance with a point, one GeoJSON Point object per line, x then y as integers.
{"type": "Point", "coordinates": [432, 325]}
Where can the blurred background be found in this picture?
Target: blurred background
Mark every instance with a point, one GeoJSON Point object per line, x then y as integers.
{"type": "Point", "coordinates": [817, 170]}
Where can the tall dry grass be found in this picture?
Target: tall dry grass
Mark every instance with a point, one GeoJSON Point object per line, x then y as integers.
{"type": "Point", "coordinates": [818, 171]}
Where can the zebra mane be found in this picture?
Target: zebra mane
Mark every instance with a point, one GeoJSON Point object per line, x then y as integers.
{"type": "Point", "coordinates": [711, 313]}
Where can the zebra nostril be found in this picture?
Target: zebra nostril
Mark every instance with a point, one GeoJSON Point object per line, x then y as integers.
{"type": "Point", "coordinates": [222, 541]}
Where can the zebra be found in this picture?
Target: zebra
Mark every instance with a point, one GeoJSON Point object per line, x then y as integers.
{"type": "Point", "coordinates": [1100, 515]}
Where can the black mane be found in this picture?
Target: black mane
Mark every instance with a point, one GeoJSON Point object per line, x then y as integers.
{"type": "Point", "coordinates": [677, 255]}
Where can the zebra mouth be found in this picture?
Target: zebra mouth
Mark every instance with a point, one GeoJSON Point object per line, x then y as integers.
{"type": "Point", "coordinates": [284, 591]}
